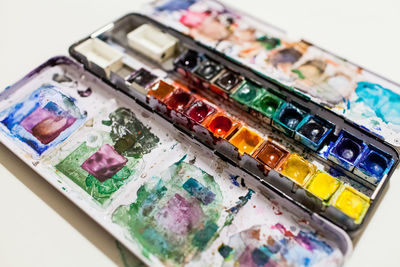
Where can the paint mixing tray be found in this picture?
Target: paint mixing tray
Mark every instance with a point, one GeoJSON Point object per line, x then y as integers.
{"type": "Point", "coordinates": [198, 146]}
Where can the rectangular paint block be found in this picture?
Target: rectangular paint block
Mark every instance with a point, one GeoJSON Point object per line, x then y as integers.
{"type": "Point", "coordinates": [271, 154]}
{"type": "Point", "coordinates": [152, 42]}
{"type": "Point", "coordinates": [351, 202]}
{"type": "Point", "coordinates": [287, 117]}
{"type": "Point", "coordinates": [221, 125]}
{"type": "Point", "coordinates": [199, 111]}
{"type": "Point", "coordinates": [312, 131]}
{"type": "Point", "coordinates": [323, 185]}
{"type": "Point", "coordinates": [373, 165]}
{"type": "Point", "coordinates": [208, 69]}
{"type": "Point", "coordinates": [246, 140]}
{"type": "Point", "coordinates": [347, 150]}
{"type": "Point", "coordinates": [179, 100]}
{"type": "Point", "coordinates": [141, 79]}
{"type": "Point", "coordinates": [298, 169]}
{"type": "Point", "coordinates": [199, 191]}
{"type": "Point", "coordinates": [102, 54]}
{"type": "Point", "coordinates": [266, 105]}
{"type": "Point", "coordinates": [161, 90]}
{"type": "Point", "coordinates": [247, 93]}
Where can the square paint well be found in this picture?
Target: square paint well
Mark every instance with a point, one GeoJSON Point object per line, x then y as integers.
{"type": "Point", "coordinates": [287, 117]}
{"type": "Point", "coordinates": [227, 81]}
{"type": "Point", "coordinates": [161, 90]}
{"type": "Point", "coordinates": [208, 69]}
{"type": "Point", "coordinates": [246, 93]}
{"type": "Point", "coordinates": [199, 111]}
{"type": "Point", "coordinates": [221, 125]}
{"type": "Point", "coordinates": [312, 131]}
{"type": "Point", "coordinates": [246, 141]}
{"type": "Point", "coordinates": [267, 104]}
{"type": "Point", "coordinates": [351, 202]}
{"type": "Point", "coordinates": [271, 154]}
{"type": "Point", "coordinates": [179, 99]}
{"type": "Point", "coordinates": [298, 169]}
{"type": "Point", "coordinates": [141, 80]}
{"type": "Point", "coordinates": [323, 185]}
{"type": "Point", "coordinates": [373, 165]}
{"type": "Point", "coordinates": [347, 151]}
{"type": "Point", "coordinates": [187, 62]}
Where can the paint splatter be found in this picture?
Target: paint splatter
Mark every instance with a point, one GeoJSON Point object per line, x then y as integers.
{"type": "Point", "coordinates": [85, 93]}
{"type": "Point", "coordinates": [43, 120]}
{"type": "Point", "coordinates": [169, 221]}
{"type": "Point", "coordinates": [275, 246]}
{"type": "Point", "coordinates": [104, 161]}
{"type": "Point", "coordinates": [384, 102]}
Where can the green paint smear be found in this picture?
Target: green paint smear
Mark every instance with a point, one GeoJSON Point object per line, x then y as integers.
{"type": "Point", "coordinates": [163, 229]}
{"type": "Point", "coordinates": [269, 42]}
{"type": "Point", "coordinates": [299, 73]}
{"type": "Point", "coordinates": [125, 127]}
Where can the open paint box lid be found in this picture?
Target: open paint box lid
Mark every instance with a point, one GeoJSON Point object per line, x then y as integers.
{"type": "Point", "coordinates": [352, 92]}
{"type": "Point", "coordinates": [165, 171]}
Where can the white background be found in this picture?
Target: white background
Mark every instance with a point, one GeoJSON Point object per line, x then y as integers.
{"type": "Point", "coordinates": [40, 227]}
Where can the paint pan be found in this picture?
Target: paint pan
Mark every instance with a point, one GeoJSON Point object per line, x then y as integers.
{"type": "Point", "coordinates": [351, 202]}
{"type": "Point", "coordinates": [221, 125]}
{"type": "Point", "coordinates": [323, 185]}
{"type": "Point", "coordinates": [271, 155]}
{"type": "Point", "coordinates": [246, 140]}
{"type": "Point", "coordinates": [266, 105]}
{"type": "Point", "coordinates": [226, 83]}
{"type": "Point", "coordinates": [208, 70]}
{"type": "Point", "coordinates": [152, 42]}
{"type": "Point", "coordinates": [187, 62]}
{"type": "Point", "coordinates": [199, 111]}
{"type": "Point", "coordinates": [160, 90]}
{"type": "Point", "coordinates": [373, 165]}
{"type": "Point", "coordinates": [141, 79]}
{"type": "Point", "coordinates": [287, 117]}
{"type": "Point", "coordinates": [179, 100]}
{"type": "Point", "coordinates": [100, 53]}
{"type": "Point", "coordinates": [312, 131]}
{"type": "Point", "coordinates": [347, 151]}
{"type": "Point", "coordinates": [298, 169]}
{"type": "Point", "coordinates": [247, 93]}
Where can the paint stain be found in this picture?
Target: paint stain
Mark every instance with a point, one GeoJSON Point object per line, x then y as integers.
{"type": "Point", "coordinates": [102, 163]}
{"type": "Point", "coordinates": [85, 93]}
{"type": "Point", "coordinates": [281, 248]}
{"type": "Point", "coordinates": [44, 119]}
{"type": "Point", "coordinates": [286, 56]}
{"type": "Point", "coordinates": [384, 102]}
{"type": "Point", "coordinates": [167, 220]}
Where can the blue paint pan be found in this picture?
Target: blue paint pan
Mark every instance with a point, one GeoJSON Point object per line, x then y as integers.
{"type": "Point", "coordinates": [312, 131]}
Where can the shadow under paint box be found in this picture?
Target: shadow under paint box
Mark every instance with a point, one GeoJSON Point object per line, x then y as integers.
{"type": "Point", "coordinates": [373, 165]}
{"type": "Point", "coordinates": [312, 131]}
{"type": "Point", "coordinates": [266, 105]}
{"type": "Point", "coordinates": [287, 117]}
{"type": "Point", "coordinates": [271, 155]}
{"type": "Point", "coordinates": [346, 151]}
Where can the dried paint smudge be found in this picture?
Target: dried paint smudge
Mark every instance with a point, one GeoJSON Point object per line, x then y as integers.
{"type": "Point", "coordinates": [174, 217]}
{"type": "Point", "coordinates": [44, 119]}
{"type": "Point", "coordinates": [274, 246]}
{"type": "Point", "coordinates": [106, 161]}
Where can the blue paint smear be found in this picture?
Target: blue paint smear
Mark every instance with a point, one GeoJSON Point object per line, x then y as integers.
{"type": "Point", "coordinates": [233, 179]}
{"type": "Point", "coordinates": [174, 5]}
{"type": "Point", "coordinates": [384, 102]}
{"type": "Point", "coordinates": [199, 191]}
{"type": "Point", "coordinates": [47, 97]}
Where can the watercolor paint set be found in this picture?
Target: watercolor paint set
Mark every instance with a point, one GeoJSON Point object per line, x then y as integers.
{"type": "Point", "coordinates": [196, 134]}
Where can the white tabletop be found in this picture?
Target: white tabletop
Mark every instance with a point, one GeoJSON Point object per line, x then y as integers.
{"type": "Point", "coordinates": [40, 227]}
